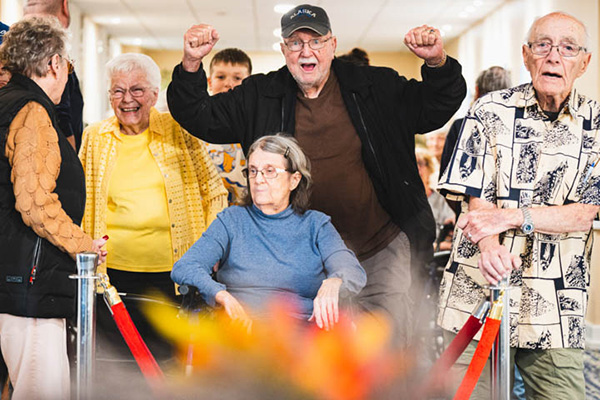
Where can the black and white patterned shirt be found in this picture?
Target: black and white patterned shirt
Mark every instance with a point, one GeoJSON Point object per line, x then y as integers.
{"type": "Point", "coordinates": [511, 154]}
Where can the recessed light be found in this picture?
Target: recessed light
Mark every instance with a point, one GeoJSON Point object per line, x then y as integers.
{"type": "Point", "coordinates": [283, 8]}
{"type": "Point", "coordinates": [447, 27]}
{"type": "Point", "coordinates": [137, 41]}
{"type": "Point", "coordinates": [463, 14]}
{"type": "Point", "coordinates": [477, 3]}
{"type": "Point", "coordinates": [469, 9]}
{"type": "Point", "coordinates": [277, 46]}
{"type": "Point", "coordinates": [277, 32]}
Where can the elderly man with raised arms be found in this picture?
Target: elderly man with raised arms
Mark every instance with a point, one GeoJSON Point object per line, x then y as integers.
{"type": "Point", "coordinates": [527, 165]}
{"type": "Point", "coordinates": [357, 126]}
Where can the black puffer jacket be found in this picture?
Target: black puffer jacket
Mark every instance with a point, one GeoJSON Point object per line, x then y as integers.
{"type": "Point", "coordinates": [52, 293]}
{"type": "Point", "coordinates": [386, 109]}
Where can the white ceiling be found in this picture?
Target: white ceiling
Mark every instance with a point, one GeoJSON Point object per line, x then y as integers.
{"type": "Point", "coordinates": [375, 25]}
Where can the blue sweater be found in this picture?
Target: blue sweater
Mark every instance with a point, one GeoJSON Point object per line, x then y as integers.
{"type": "Point", "coordinates": [285, 255]}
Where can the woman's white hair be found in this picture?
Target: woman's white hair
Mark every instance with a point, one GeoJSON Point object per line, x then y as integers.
{"type": "Point", "coordinates": [128, 62]}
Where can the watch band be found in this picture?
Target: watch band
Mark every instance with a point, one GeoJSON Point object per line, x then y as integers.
{"type": "Point", "coordinates": [527, 227]}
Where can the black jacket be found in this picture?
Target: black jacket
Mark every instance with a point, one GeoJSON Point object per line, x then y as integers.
{"type": "Point", "coordinates": [386, 110]}
{"type": "Point", "coordinates": [51, 294]}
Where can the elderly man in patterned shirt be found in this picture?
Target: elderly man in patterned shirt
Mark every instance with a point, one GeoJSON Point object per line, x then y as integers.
{"type": "Point", "coordinates": [526, 169]}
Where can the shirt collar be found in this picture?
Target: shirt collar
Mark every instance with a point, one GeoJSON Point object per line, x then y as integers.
{"type": "Point", "coordinates": [529, 100]}
{"type": "Point", "coordinates": [110, 126]}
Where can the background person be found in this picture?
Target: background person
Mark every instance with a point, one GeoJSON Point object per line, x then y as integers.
{"type": "Point", "coordinates": [42, 200]}
{"type": "Point", "coordinates": [273, 247]}
{"type": "Point", "coordinates": [4, 73]}
{"type": "Point", "coordinates": [356, 55]}
{"type": "Point", "coordinates": [228, 68]}
{"type": "Point", "coordinates": [527, 164]}
{"type": "Point", "coordinates": [70, 108]}
{"type": "Point", "coordinates": [435, 144]}
{"type": "Point", "coordinates": [357, 126]}
{"type": "Point", "coordinates": [489, 80]}
{"type": "Point", "coordinates": [442, 213]}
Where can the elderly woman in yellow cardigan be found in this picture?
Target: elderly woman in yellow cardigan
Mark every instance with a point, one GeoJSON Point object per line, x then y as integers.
{"type": "Point", "coordinates": [151, 187]}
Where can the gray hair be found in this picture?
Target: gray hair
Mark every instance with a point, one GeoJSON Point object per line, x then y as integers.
{"type": "Point", "coordinates": [493, 78]}
{"type": "Point", "coordinates": [30, 44]}
{"type": "Point", "coordinates": [128, 62]}
{"type": "Point", "coordinates": [296, 160]}
{"type": "Point", "coordinates": [586, 36]}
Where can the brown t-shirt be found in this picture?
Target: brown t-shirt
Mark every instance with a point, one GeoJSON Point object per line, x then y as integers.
{"type": "Point", "coordinates": [342, 187]}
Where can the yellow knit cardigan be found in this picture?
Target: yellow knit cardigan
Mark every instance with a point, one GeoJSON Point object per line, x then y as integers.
{"type": "Point", "coordinates": [195, 192]}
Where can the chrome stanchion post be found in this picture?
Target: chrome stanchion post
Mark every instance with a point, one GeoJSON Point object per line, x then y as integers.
{"type": "Point", "coordinates": [501, 385]}
{"type": "Point", "coordinates": [86, 322]}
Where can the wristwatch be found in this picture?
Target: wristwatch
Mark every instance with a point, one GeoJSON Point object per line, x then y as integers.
{"type": "Point", "coordinates": [527, 226]}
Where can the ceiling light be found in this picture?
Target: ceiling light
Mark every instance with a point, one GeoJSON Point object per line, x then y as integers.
{"type": "Point", "coordinates": [477, 3]}
{"type": "Point", "coordinates": [442, 33]}
{"type": "Point", "coordinates": [107, 20]}
{"type": "Point", "coordinates": [137, 41]}
{"type": "Point", "coordinates": [447, 27]}
{"type": "Point", "coordinates": [277, 32]}
{"type": "Point", "coordinates": [277, 46]}
{"type": "Point", "coordinates": [469, 9]}
{"type": "Point", "coordinates": [283, 8]}
{"type": "Point", "coordinates": [463, 14]}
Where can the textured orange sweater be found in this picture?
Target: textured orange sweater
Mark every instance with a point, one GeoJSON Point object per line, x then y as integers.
{"type": "Point", "coordinates": [34, 156]}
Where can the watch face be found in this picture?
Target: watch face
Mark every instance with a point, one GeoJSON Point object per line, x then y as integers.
{"type": "Point", "coordinates": [527, 228]}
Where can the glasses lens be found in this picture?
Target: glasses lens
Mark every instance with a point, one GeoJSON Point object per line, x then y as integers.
{"type": "Point", "coordinates": [316, 44]}
{"type": "Point", "coordinates": [294, 45]}
{"type": "Point", "coordinates": [568, 50]}
{"type": "Point", "coordinates": [270, 173]}
{"type": "Point", "coordinates": [137, 92]}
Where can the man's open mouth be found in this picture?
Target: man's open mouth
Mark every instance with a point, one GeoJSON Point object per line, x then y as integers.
{"type": "Point", "coordinates": [308, 67]}
{"type": "Point", "coordinates": [552, 75]}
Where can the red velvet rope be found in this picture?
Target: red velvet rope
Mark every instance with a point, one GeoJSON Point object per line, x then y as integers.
{"type": "Point", "coordinates": [457, 347]}
{"type": "Point", "coordinates": [145, 360]}
{"type": "Point", "coordinates": [439, 371]}
{"type": "Point", "coordinates": [490, 331]}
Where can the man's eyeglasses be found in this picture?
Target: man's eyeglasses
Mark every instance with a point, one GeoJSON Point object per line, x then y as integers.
{"type": "Point", "coordinates": [544, 48]}
{"type": "Point", "coordinates": [298, 45]}
{"type": "Point", "coordinates": [267, 173]}
{"type": "Point", "coordinates": [119, 93]}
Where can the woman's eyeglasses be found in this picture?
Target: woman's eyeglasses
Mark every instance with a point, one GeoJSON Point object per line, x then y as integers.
{"type": "Point", "coordinates": [267, 173]}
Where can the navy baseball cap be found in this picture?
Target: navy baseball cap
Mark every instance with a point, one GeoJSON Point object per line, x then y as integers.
{"type": "Point", "coordinates": [3, 30]}
{"type": "Point", "coordinates": [305, 16]}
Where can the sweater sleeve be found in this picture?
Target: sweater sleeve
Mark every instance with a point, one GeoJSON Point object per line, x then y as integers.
{"type": "Point", "coordinates": [215, 119]}
{"type": "Point", "coordinates": [428, 104]}
{"type": "Point", "coordinates": [194, 268]}
{"type": "Point", "coordinates": [34, 155]}
{"type": "Point", "coordinates": [214, 194]}
{"type": "Point", "coordinates": [339, 261]}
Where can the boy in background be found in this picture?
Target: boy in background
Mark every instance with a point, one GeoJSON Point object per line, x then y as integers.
{"type": "Point", "coordinates": [228, 68]}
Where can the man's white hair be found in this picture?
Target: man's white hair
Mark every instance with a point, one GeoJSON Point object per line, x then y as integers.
{"type": "Point", "coordinates": [129, 62]}
{"type": "Point", "coordinates": [586, 38]}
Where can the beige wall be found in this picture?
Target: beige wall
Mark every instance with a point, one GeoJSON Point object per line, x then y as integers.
{"type": "Point", "coordinates": [593, 313]}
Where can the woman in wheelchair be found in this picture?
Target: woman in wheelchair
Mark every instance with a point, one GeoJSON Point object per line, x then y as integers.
{"type": "Point", "coordinates": [273, 247]}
